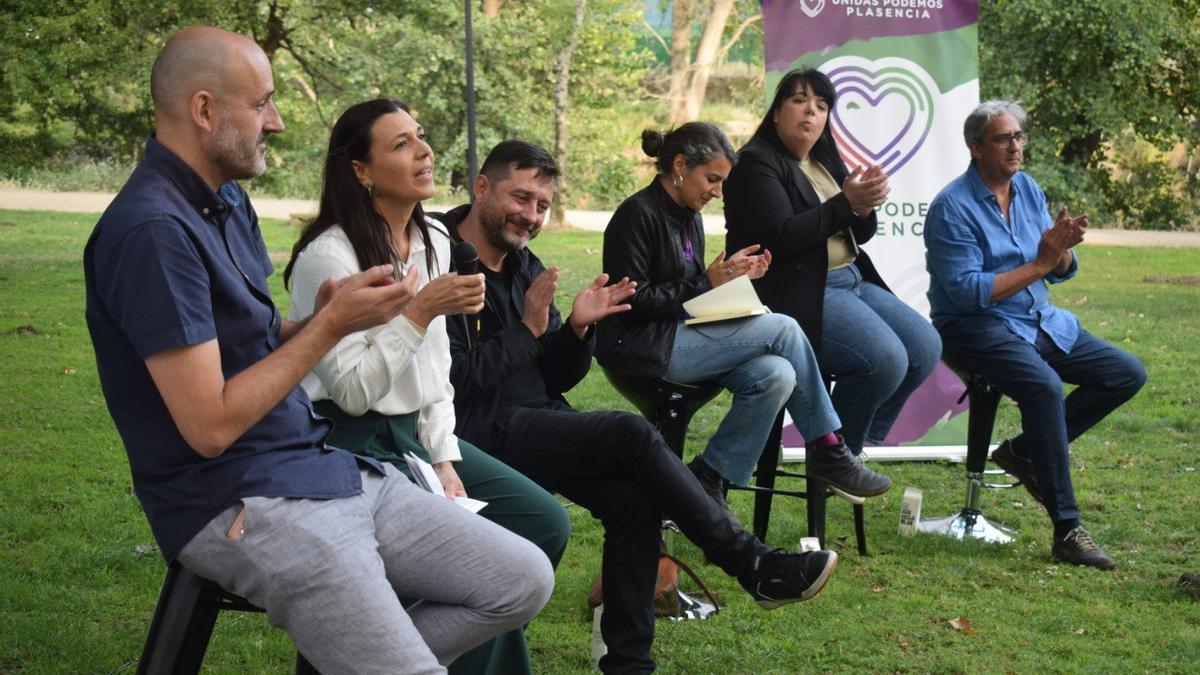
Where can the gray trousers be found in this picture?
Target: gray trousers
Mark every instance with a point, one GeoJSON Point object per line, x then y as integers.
{"type": "Point", "coordinates": [331, 573]}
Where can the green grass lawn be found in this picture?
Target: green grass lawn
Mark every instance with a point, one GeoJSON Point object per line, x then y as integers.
{"type": "Point", "coordinates": [79, 573]}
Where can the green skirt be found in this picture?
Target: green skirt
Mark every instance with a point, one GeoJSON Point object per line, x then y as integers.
{"type": "Point", "coordinates": [514, 502]}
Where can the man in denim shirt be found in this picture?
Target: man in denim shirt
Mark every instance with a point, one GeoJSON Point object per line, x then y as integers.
{"type": "Point", "coordinates": [991, 248]}
{"type": "Point", "coordinates": [201, 375]}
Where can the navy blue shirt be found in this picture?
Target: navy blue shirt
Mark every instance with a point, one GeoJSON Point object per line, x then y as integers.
{"type": "Point", "coordinates": [172, 263]}
{"type": "Point", "coordinates": [968, 242]}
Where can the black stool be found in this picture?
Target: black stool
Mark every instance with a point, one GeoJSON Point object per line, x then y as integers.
{"type": "Point", "coordinates": [670, 406]}
{"type": "Point", "coordinates": [183, 623]}
{"type": "Point", "coordinates": [969, 523]}
{"type": "Point", "coordinates": [815, 494]}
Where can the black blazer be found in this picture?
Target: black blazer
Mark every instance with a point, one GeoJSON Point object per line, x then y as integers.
{"type": "Point", "coordinates": [769, 201]}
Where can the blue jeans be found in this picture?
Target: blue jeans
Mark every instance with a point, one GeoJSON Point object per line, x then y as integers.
{"type": "Point", "coordinates": [766, 362]}
{"type": "Point", "coordinates": [878, 349]}
{"type": "Point", "coordinates": [1033, 376]}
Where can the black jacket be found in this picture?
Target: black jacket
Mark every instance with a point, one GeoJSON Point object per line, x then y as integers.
{"type": "Point", "coordinates": [769, 201]}
{"type": "Point", "coordinates": [642, 242]}
{"type": "Point", "coordinates": [485, 358]}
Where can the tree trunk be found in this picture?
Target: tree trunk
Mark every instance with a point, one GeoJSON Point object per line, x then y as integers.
{"type": "Point", "coordinates": [706, 52]}
{"type": "Point", "coordinates": [276, 32]}
{"type": "Point", "coordinates": [491, 8]}
{"type": "Point", "coordinates": [558, 218]}
{"type": "Point", "coordinates": [681, 56]}
{"type": "Point", "coordinates": [1082, 150]}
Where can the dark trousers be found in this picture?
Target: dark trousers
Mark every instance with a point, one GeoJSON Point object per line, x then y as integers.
{"type": "Point", "coordinates": [617, 466]}
{"type": "Point", "coordinates": [1033, 376]}
{"type": "Point", "coordinates": [514, 502]}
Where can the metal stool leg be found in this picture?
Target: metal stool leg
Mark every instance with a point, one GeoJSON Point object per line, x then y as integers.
{"type": "Point", "coordinates": [182, 625]}
{"type": "Point", "coordinates": [817, 496]}
{"type": "Point", "coordinates": [768, 463]}
{"type": "Point", "coordinates": [970, 522]}
{"type": "Point", "coordinates": [860, 529]}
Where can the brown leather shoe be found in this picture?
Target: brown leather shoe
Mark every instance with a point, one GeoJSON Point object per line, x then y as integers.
{"type": "Point", "coordinates": [1078, 548]}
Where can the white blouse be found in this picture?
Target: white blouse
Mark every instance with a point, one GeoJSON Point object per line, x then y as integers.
{"type": "Point", "coordinates": [393, 369]}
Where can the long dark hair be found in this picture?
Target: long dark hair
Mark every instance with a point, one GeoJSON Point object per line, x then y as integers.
{"type": "Point", "coordinates": [345, 202]}
{"type": "Point", "coordinates": [825, 150]}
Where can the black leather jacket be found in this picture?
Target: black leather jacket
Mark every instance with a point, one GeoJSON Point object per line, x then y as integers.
{"type": "Point", "coordinates": [642, 242]}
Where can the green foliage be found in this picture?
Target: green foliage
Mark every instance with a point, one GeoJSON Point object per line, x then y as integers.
{"type": "Point", "coordinates": [71, 99]}
{"type": "Point", "coordinates": [1093, 72]}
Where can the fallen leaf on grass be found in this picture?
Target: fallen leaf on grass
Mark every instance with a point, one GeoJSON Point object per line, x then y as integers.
{"type": "Point", "coordinates": [1080, 631]}
{"type": "Point", "coordinates": [962, 624]}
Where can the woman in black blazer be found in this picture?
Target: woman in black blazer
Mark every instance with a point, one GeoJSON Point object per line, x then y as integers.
{"type": "Point", "coordinates": [791, 193]}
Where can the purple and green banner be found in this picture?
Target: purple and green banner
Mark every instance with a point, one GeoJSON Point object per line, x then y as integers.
{"type": "Point", "coordinates": [906, 73]}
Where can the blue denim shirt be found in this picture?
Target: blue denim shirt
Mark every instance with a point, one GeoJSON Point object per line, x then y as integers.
{"type": "Point", "coordinates": [172, 263]}
{"type": "Point", "coordinates": [968, 242]}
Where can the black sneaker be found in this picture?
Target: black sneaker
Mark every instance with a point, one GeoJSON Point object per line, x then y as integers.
{"type": "Point", "coordinates": [1018, 467]}
{"type": "Point", "coordinates": [835, 465]}
{"type": "Point", "coordinates": [1078, 548]}
{"type": "Point", "coordinates": [779, 577]}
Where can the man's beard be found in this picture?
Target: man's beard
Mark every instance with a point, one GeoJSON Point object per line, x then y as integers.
{"type": "Point", "coordinates": [234, 156]}
{"type": "Point", "coordinates": [495, 227]}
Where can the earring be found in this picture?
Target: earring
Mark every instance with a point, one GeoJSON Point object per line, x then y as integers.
{"type": "Point", "coordinates": [677, 181]}
{"type": "Point", "coordinates": [370, 189]}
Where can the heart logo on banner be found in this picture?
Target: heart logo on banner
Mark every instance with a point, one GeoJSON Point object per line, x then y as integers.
{"type": "Point", "coordinates": [811, 8]}
{"type": "Point", "coordinates": [884, 110]}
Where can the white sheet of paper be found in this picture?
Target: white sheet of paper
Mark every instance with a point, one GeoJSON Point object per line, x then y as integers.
{"type": "Point", "coordinates": [424, 476]}
{"type": "Point", "coordinates": [730, 300]}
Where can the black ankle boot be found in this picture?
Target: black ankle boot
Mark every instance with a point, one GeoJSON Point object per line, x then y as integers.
{"type": "Point", "coordinates": [714, 486]}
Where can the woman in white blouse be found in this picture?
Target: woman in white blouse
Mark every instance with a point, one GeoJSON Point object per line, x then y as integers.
{"type": "Point", "coordinates": [388, 389]}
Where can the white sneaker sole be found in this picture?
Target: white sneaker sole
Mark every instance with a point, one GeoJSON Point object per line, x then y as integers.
{"type": "Point", "coordinates": [811, 591]}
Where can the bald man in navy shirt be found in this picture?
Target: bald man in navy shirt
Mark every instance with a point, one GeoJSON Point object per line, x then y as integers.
{"type": "Point", "coordinates": [201, 376]}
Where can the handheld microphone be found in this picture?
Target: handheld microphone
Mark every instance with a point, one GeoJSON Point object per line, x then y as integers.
{"type": "Point", "coordinates": [466, 261]}
{"type": "Point", "coordinates": [465, 257]}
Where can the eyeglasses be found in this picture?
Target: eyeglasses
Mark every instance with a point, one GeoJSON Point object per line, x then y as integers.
{"type": "Point", "coordinates": [1002, 140]}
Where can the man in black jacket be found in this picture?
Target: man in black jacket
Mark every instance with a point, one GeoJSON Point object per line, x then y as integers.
{"type": "Point", "coordinates": [511, 365]}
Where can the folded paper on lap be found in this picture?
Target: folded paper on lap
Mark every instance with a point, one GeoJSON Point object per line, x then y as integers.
{"type": "Point", "coordinates": [425, 477]}
{"type": "Point", "coordinates": [732, 300]}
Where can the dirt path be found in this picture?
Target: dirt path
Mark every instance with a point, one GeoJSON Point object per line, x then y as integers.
{"type": "Point", "coordinates": [95, 202]}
